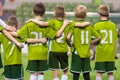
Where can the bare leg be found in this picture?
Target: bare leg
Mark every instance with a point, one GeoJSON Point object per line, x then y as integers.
{"type": "Point", "coordinates": [56, 74]}
{"type": "Point", "coordinates": [99, 76]}
{"type": "Point", "coordinates": [65, 75]}
{"type": "Point", "coordinates": [110, 76]}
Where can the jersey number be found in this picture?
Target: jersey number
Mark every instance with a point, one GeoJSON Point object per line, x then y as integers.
{"type": "Point", "coordinates": [37, 36]}
{"type": "Point", "coordinates": [107, 34]}
{"type": "Point", "coordinates": [84, 37]}
{"type": "Point", "coordinates": [59, 40]}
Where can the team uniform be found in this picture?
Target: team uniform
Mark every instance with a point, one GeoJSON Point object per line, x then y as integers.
{"type": "Point", "coordinates": [58, 46]}
{"type": "Point", "coordinates": [12, 59]}
{"type": "Point", "coordinates": [1, 65]}
{"type": "Point", "coordinates": [2, 24]}
{"type": "Point", "coordinates": [38, 52]}
{"type": "Point", "coordinates": [81, 55]}
{"type": "Point", "coordinates": [105, 51]}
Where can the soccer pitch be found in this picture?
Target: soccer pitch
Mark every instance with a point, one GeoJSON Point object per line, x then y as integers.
{"type": "Point", "coordinates": [49, 75]}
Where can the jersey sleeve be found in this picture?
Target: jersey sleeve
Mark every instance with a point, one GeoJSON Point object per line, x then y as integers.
{"type": "Point", "coordinates": [94, 33]}
{"type": "Point", "coordinates": [1, 28]}
{"type": "Point", "coordinates": [23, 33]}
{"type": "Point", "coordinates": [51, 33]}
{"type": "Point", "coordinates": [116, 33]}
{"type": "Point", "coordinates": [1, 38]}
{"type": "Point", "coordinates": [72, 25]}
{"type": "Point", "coordinates": [51, 23]}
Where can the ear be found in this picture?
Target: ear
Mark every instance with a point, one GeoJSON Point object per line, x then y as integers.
{"type": "Point", "coordinates": [54, 14]}
{"type": "Point", "coordinates": [74, 13]}
{"type": "Point", "coordinates": [64, 15]}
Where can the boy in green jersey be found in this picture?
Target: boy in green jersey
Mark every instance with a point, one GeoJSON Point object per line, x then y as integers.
{"type": "Point", "coordinates": [58, 44]}
{"type": "Point", "coordinates": [81, 40]}
{"type": "Point", "coordinates": [106, 49]}
{"type": "Point", "coordinates": [12, 54]}
{"type": "Point", "coordinates": [3, 25]}
{"type": "Point", "coordinates": [35, 36]}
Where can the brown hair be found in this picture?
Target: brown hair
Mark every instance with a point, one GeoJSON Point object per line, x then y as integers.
{"type": "Point", "coordinates": [39, 9]}
{"type": "Point", "coordinates": [59, 11]}
{"type": "Point", "coordinates": [80, 11]}
{"type": "Point", "coordinates": [103, 10]}
{"type": "Point", "coordinates": [13, 21]}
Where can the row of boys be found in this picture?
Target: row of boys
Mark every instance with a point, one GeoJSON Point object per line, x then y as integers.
{"type": "Point", "coordinates": [60, 32]}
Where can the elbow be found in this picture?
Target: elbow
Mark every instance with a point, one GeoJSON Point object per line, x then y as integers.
{"type": "Point", "coordinates": [58, 35]}
{"type": "Point", "coordinates": [28, 41]}
{"type": "Point", "coordinates": [99, 38]}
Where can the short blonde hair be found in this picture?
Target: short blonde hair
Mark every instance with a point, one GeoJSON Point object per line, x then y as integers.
{"type": "Point", "coordinates": [103, 10]}
{"type": "Point", "coordinates": [80, 11]}
{"type": "Point", "coordinates": [59, 11]}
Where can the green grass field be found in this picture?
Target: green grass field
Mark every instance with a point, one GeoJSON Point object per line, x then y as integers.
{"type": "Point", "coordinates": [49, 75]}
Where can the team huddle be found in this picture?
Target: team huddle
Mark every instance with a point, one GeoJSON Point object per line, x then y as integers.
{"type": "Point", "coordinates": [48, 44]}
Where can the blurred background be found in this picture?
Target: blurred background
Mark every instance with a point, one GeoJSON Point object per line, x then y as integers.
{"type": "Point", "coordinates": [23, 9]}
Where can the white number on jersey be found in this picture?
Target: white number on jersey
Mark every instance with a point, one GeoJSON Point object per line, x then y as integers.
{"type": "Point", "coordinates": [59, 40]}
{"type": "Point", "coordinates": [84, 37]}
{"type": "Point", "coordinates": [107, 33]}
{"type": "Point", "coordinates": [37, 36]}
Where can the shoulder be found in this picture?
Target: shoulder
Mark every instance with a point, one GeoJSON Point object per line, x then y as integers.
{"type": "Point", "coordinates": [112, 23]}
{"type": "Point", "coordinates": [1, 36]}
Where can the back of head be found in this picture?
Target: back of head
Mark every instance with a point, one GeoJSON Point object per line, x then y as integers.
{"type": "Point", "coordinates": [80, 11]}
{"type": "Point", "coordinates": [59, 11]}
{"type": "Point", "coordinates": [13, 21]}
{"type": "Point", "coordinates": [39, 9]}
{"type": "Point", "coordinates": [103, 10]}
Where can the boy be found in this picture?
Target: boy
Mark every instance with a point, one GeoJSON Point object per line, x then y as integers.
{"type": "Point", "coordinates": [58, 44]}
{"type": "Point", "coordinates": [35, 36]}
{"type": "Point", "coordinates": [12, 54]}
{"type": "Point", "coordinates": [81, 41]}
{"type": "Point", "coordinates": [105, 51]}
{"type": "Point", "coordinates": [5, 32]}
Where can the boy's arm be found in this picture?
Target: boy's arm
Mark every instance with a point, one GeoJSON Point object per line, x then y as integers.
{"type": "Point", "coordinates": [14, 34]}
{"type": "Point", "coordinates": [96, 40]}
{"type": "Point", "coordinates": [116, 48]}
{"type": "Point", "coordinates": [5, 26]}
{"type": "Point", "coordinates": [7, 34]}
{"type": "Point", "coordinates": [83, 24]}
{"type": "Point", "coordinates": [69, 42]}
{"type": "Point", "coordinates": [61, 30]}
{"type": "Point", "coordinates": [42, 40]}
{"type": "Point", "coordinates": [41, 23]}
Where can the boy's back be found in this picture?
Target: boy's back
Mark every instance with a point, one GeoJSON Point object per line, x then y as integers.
{"type": "Point", "coordinates": [59, 44]}
{"type": "Point", "coordinates": [82, 39]}
{"type": "Point", "coordinates": [12, 53]}
{"type": "Point", "coordinates": [106, 48]}
{"type": "Point", "coordinates": [37, 51]}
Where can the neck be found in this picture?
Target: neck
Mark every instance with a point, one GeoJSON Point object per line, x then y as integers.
{"type": "Point", "coordinates": [103, 18]}
{"type": "Point", "coordinates": [60, 18]}
{"type": "Point", "coordinates": [38, 17]}
{"type": "Point", "coordinates": [79, 19]}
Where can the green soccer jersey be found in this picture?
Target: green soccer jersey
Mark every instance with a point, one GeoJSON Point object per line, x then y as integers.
{"type": "Point", "coordinates": [58, 44]}
{"type": "Point", "coordinates": [36, 51]}
{"type": "Point", "coordinates": [1, 28]}
{"type": "Point", "coordinates": [82, 40]}
{"type": "Point", "coordinates": [12, 53]}
{"type": "Point", "coordinates": [106, 49]}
